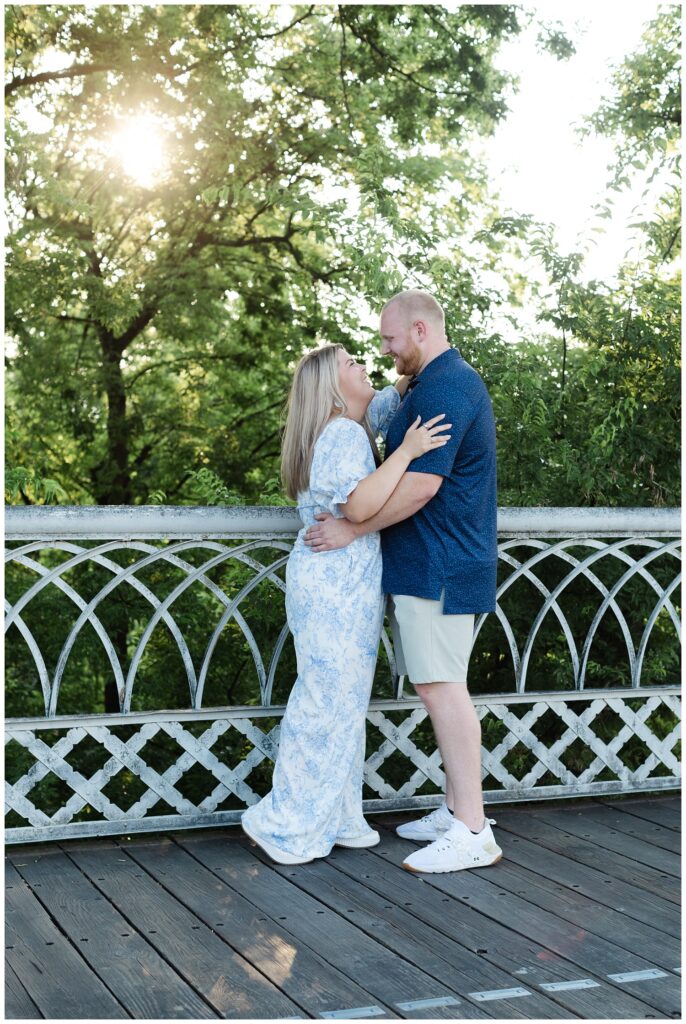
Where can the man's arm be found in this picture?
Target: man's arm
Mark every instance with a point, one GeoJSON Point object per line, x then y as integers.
{"type": "Point", "coordinates": [411, 494]}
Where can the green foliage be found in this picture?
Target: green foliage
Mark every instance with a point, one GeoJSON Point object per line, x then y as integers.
{"type": "Point", "coordinates": [29, 485]}
{"type": "Point", "coordinates": [576, 413]}
{"type": "Point", "coordinates": [160, 324]}
{"type": "Point", "coordinates": [208, 489]}
{"type": "Point", "coordinates": [553, 39]}
{"type": "Point", "coordinates": [644, 109]}
{"type": "Point", "coordinates": [590, 415]}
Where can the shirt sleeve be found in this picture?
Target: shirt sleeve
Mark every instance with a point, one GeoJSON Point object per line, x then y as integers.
{"type": "Point", "coordinates": [457, 411]}
{"type": "Point", "coordinates": [342, 457]}
{"type": "Point", "coordinates": [382, 409]}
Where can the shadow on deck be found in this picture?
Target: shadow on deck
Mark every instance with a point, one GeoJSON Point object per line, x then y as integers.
{"type": "Point", "coordinates": [579, 919]}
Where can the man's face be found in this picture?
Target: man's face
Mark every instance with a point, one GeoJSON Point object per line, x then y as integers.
{"type": "Point", "coordinates": [397, 341]}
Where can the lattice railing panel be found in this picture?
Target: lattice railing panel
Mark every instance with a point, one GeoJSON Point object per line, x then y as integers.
{"type": "Point", "coordinates": [574, 721]}
{"type": "Point", "coordinates": [171, 610]}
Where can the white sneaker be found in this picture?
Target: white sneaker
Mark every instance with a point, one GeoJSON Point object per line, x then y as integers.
{"type": "Point", "coordinates": [362, 842]}
{"type": "Point", "coordinates": [431, 826]}
{"type": "Point", "coordinates": [280, 856]}
{"type": "Point", "coordinates": [457, 849]}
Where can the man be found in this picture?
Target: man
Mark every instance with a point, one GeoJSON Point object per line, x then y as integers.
{"type": "Point", "coordinates": [439, 566]}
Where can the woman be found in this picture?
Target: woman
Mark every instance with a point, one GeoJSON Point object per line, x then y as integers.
{"type": "Point", "coordinates": [334, 606]}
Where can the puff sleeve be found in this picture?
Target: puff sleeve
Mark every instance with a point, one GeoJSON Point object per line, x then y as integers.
{"type": "Point", "coordinates": [342, 457]}
{"type": "Point", "coordinates": [382, 409]}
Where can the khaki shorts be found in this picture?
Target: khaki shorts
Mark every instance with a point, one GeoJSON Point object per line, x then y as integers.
{"type": "Point", "coordinates": [430, 647]}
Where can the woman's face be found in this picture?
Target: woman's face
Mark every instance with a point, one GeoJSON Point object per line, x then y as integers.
{"type": "Point", "coordinates": [353, 381]}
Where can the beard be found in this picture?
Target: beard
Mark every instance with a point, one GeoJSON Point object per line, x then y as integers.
{"type": "Point", "coordinates": [410, 362]}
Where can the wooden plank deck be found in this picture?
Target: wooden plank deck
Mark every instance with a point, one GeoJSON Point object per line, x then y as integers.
{"type": "Point", "coordinates": [580, 919]}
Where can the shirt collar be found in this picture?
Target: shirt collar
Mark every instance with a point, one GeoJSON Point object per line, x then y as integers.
{"type": "Point", "coordinates": [435, 365]}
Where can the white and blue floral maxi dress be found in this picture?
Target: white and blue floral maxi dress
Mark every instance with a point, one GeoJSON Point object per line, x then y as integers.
{"type": "Point", "coordinates": [334, 606]}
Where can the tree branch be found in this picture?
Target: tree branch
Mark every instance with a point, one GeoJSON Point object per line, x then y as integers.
{"type": "Point", "coordinates": [317, 275]}
{"type": "Point", "coordinates": [359, 34]}
{"type": "Point", "coordinates": [240, 420]}
{"type": "Point", "coordinates": [227, 49]}
{"type": "Point", "coordinates": [342, 58]}
{"type": "Point", "coordinates": [204, 238]}
{"type": "Point", "coordinates": [75, 71]}
{"type": "Point", "coordinates": [138, 324]}
{"type": "Point", "coordinates": [150, 446]}
{"type": "Point", "coordinates": [272, 35]}
{"type": "Point", "coordinates": [71, 319]}
{"type": "Point", "coordinates": [270, 437]}
{"type": "Point", "coordinates": [672, 240]}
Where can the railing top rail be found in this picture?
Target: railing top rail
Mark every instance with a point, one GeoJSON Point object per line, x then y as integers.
{"type": "Point", "coordinates": [127, 522]}
{"type": "Point", "coordinates": [212, 713]}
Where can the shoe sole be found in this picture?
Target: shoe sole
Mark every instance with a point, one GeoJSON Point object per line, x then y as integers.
{"type": "Point", "coordinates": [358, 844]}
{"type": "Point", "coordinates": [425, 837]}
{"type": "Point", "coordinates": [445, 871]}
{"type": "Point", "coordinates": [285, 863]}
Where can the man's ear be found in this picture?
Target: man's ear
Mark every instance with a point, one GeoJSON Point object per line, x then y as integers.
{"type": "Point", "coordinates": [420, 328]}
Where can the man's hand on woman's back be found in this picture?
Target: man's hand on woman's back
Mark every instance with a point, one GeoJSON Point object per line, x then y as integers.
{"type": "Point", "coordinates": [330, 533]}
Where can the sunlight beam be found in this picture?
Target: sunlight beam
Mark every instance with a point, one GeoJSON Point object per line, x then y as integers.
{"type": "Point", "coordinates": [139, 147]}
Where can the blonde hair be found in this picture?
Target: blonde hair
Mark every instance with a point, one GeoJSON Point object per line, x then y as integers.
{"type": "Point", "coordinates": [314, 397]}
{"type": "Point", "coordinates": [415, 304]}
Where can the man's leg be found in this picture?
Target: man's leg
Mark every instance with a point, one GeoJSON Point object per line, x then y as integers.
{"type": "Point", "coordinates": [468, 841]}
{"type": "Point", "coordinates": [458, 734]}
{"type": "Point", "coordinates": [437, 647]}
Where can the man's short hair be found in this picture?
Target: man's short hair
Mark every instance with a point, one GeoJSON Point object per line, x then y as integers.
{"type": "Point", "coordinates": [415, 304]}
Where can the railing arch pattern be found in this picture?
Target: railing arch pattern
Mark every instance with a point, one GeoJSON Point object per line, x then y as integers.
{"type": "Point", "coordinates": [580, 543]}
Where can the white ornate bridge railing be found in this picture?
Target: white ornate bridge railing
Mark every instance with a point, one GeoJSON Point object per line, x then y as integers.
{"type": "Point", "coordinates": [149, 663]}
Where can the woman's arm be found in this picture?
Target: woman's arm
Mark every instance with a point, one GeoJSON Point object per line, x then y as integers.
{"type": "Point", "coordinates": [402, 384]}
{"type": "Point", "coordinates": [374, 490]}
{"type": "Point", "coordinates": [412, 493]}
{"type": "Point", "coordinates": [382, 409]}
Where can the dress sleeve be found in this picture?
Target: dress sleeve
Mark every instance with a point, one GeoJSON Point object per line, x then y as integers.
{"type": "Point", "coordinates": [382, 409]}
{"type": "Point", "coordinates": [342, 457]}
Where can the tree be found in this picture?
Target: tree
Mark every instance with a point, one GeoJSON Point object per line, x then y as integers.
{"type": "Point", "coordinates": [158, 323]}
{"type": "Point", "coordinates": [643, 111]}
{"type": "Point", "coordinates": [590, 414]}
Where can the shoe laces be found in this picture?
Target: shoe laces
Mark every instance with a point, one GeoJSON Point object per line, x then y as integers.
{"type": "Point", "coordinates": [459, 841]}
{"type": "Point", "coordinates": [447, 842]}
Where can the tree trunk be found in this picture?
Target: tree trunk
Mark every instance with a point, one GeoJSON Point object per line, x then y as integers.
{"type": "Point", "coordinates": [112, 477]}
{"type": "Point", "coordinates": [118, 633]}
